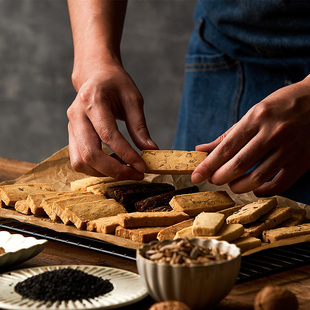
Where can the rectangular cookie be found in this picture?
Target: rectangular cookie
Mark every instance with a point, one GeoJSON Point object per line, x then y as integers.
{"type": "Point", "coordinates": [172, 161]}
{"type": "Point", "coordinates": [82, 184]}
{"type": "Point", "coordinates": [186, 232]}
{"type": "Point", "coordinates": [59, 206]}
{"type": "Point", "coordinates": [229, 211]}
{"type": "Point", "coordinates": [230, 232]}
{"type": "Point", "coordinates": [267, 221]}
{"type": "Point", "coordinates": [22, 206]}
{"type": "Point", "coordinates": [105, 225]}
{"type": "Point", "coordinates": [131, 193]}
{"type": "Point", "coordinates": [101, 188]}
{"type": "Point", "coordinates": [247, 243]}
{"type": "Point", "coordinates": [10, 194]}
{"type": "Point", "coordinates": [34, 201]}
{"type": "Point", "coordinates": [194, 203]}
{"type": "Point", "coordinates": [275, 234]}
{"type": "Point", "coordinates": [252, 211]}
{"type": "Point", "coordinates": [208, 223]}
{"type": "Point", "coordinates": [151, 219]}
{"type": "Point", "coordinates": [142, 235]}
{"type": "Point", "coordinates": [82, 213]}
{"type": "Point", "coordinates": [47, 203]}
{"type": "Point", "coordinates": [170, 231]}
{"type": "Point", "coordinates": [150, 203]}
{"type": "Point", "coordinates": [297, 217]}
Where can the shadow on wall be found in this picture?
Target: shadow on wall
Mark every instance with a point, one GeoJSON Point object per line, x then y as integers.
{"type": "Point", "coordinates": [36, 57]}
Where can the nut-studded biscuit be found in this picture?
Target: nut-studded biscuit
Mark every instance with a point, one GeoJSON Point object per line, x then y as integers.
{"type": "Point", "coordinates": [151, 219]}
{"type": "Point", "coordinates": [47, 203]}
{"type": "Point", "coordinates": [297, 217]}
{"type": "Point", "coordinates": [10, 194]}
{"type": "Point", "coordinates": [247, 243]}
{"type": "Point", "coordinates": [252, 211]}
{"type": "Point", "coordinates": [267, 221]}
{"type": "Point", "coordinates": [194, 203]}
{"type": "Point", "coordinates": [82, 213]}
{"type": "Point", "coordinates": [101, 188]}
{"type": "Point", "coordinates": [105, 225]}
{"type": "Point", "coordinates": [34, 201]}
{"type": "Point", "coordinates": [171, 161]}
{"type": "Point", "coordinates": [229, 211]}
{"type": "Point", "coordinates": [82, 184]}
{"type": "Point", "coordinates": [170, 231]}
{"type": "Point", "coordinates": [143, 234]}
{"type": "Point", "coordinates": [208, 223]}
{"type": "Point", "coordinates": [22, 206]}
{"type": "Point", "coordinates": [60, 205]}
{"type": "Point", "coordinates": [286, 232]}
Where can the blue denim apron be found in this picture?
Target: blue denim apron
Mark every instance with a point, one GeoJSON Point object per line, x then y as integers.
{"type": "Point", "coordinates": [237, 57]}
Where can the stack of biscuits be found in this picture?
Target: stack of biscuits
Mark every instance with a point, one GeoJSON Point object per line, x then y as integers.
{"type": "Point", "coordinates": [144, 211]}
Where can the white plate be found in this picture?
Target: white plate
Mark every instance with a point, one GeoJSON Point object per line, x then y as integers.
{"type": "Point", "coordinates": [18, 248]}
{"type": "Point", "coordinates": [128, 289]}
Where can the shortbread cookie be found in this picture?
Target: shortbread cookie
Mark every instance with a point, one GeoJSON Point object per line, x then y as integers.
{"type": "Point", "coordinates": [208, 223]}
{"type": "Point", "coordinates": [82, 213]}
{"type": "Point", "coordinates": [142, 235]}
{"type": "Point", "coordinates": [193, 204]}
{"type": "Point", "coordinates": [101, 188]}
{"type": "Point", "coordinates": [275, 234]}
{"type": "Point", "coordinates": [59, 206]}
{"type": "Point", "coordinates": [186, 232]}
{"type": "Point", "coordinates": [10, 194]}
{"type": "Point", "coordinates": [105, 225]}
{"type": "Point", "coordinates": [171, 161]}
{"type": "Point", "coordinates": [34, 201]}
{"type": "Point", "coordinates": [230, 232]}
{"type": "Point", "coordinates": [247, 243]}
{"type": "Point", "coordinates": [170, 231]}
{"type": "Point", "coordinates": [252, 211]}
{"type": "Point", "coordinates": [151, 219]}
{"type": "Point", "coordinates": [47, 203]}
{"type": "Point", "coordinates": [267, 221]}
{"type": "Point", "coordinates": [229, 211]}
{"type": "Point", "coordinates": [297, 217]}
{"type": "Point", "coordinates": [82, 184]}
{"type": "Point", "coordinates": [22, 206]}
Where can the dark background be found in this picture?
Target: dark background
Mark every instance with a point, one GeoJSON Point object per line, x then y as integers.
{"type": "Point", "coordinates": [36, 57]}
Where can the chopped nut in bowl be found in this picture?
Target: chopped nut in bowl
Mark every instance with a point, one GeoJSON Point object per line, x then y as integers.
{"type": "Point", "coordinates": [198, 272]}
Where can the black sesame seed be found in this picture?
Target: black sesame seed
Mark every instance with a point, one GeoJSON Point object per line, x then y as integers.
{"type": "Point", "coordinates": [63, 285]}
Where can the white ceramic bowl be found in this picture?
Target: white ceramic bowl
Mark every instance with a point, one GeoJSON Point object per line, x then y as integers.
{"type": "Point", "coordinates": [197, 286]}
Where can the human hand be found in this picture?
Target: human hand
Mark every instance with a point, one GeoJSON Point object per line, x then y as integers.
{"type": "Point", "coordinates": [104, 97]}
{"type": "Point", "coordinates": [272, 138]}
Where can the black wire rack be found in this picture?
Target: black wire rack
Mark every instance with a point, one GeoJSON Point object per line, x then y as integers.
{"type": "Point", "coordinates": [254, 266]}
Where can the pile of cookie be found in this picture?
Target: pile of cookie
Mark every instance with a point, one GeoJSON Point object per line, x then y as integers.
{"type": "Point", "coordinates": [144, 211]}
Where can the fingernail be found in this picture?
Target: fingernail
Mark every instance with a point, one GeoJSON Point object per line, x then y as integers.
{"type": "Point", "coordinates": [151, 143]}
{"type": "Point", "coordinates": [197, 178]}
{"type": "Point", "coordinates": [139, 166]}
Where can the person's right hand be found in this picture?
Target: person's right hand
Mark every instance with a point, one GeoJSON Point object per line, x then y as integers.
{"type": "Point", "coordinates": [104, 97]}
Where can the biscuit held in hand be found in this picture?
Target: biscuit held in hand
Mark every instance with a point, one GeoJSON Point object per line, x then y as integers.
{"type": "Point", "coordinates": [172, 162]}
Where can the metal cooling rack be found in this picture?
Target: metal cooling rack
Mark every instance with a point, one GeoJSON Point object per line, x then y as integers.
{"type": "Point", "coordinates": [254, 266]}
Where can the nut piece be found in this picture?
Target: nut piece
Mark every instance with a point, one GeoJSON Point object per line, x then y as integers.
{"type": "Point", "coordinates": [274, 298]}
{"type": "Point", "coordinates": [184, 252]}
{"type": "Point", "coordinates": [169, 305]}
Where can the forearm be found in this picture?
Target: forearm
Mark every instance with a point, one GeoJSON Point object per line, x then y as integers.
{"type": "Point", "coordinates": [96, 29]}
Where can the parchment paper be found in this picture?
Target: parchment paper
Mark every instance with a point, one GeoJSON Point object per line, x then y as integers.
{"type": "Point", "coordinates": [57, 171]}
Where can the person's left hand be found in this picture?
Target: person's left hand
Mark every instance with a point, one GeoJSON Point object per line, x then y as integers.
{"type": "Point", "coordinates": [273, 138]}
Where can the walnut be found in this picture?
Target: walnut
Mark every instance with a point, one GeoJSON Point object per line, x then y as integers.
{"type": "Point", "coordinates": [274, 298]}
{"type": "Point", "coordinates": [169, 305]}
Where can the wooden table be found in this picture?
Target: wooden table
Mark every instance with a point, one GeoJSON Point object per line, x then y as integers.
{"type": "Point", "coordinates": [241, 297]}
